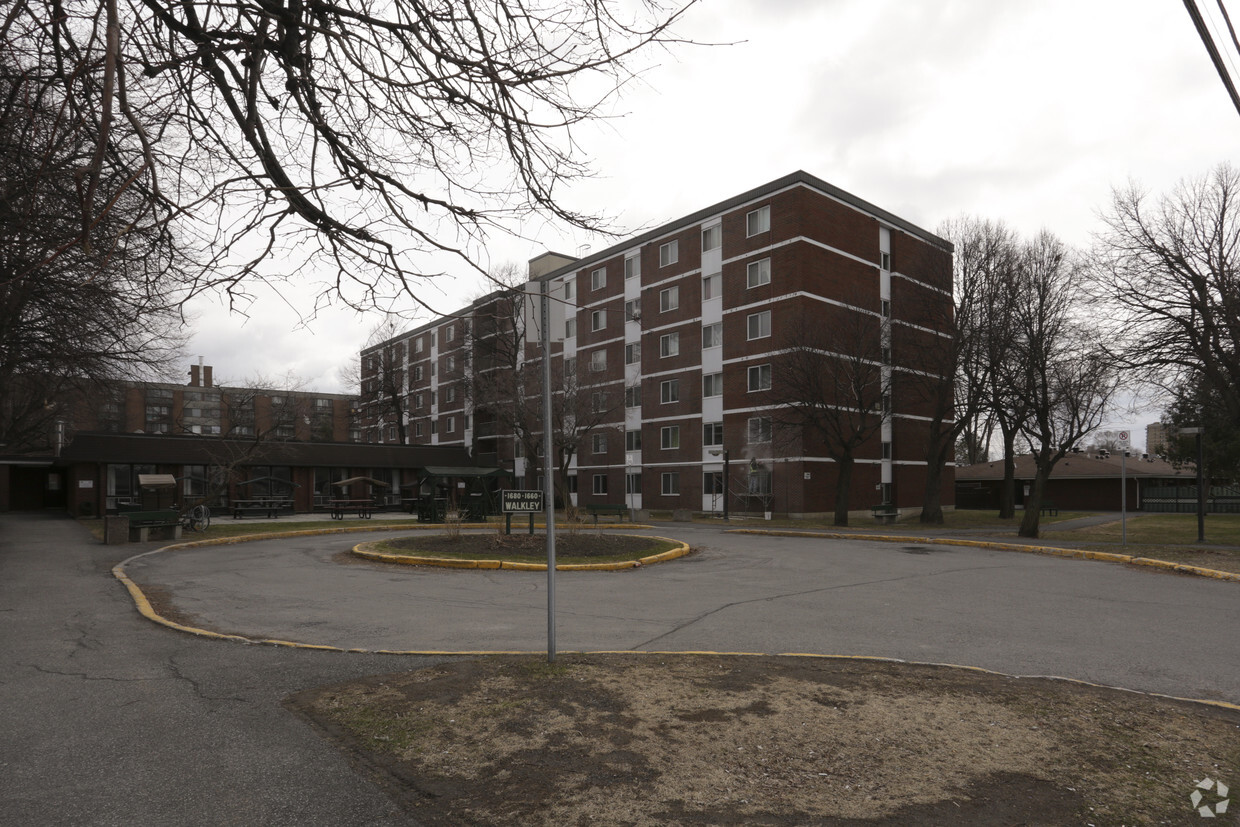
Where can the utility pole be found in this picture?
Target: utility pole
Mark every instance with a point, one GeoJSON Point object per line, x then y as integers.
{"type": "Point", "coordinates": [548, 479]}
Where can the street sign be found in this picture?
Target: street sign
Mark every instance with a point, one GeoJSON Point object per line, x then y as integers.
{"type": "Point", "coordinates": [1124, 438]}
{"type": "Point", "coordinates": [521, 502]}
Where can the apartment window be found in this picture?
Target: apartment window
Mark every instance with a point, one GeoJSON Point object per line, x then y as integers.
{"type": "Point", "coordinates": [417, 373]}
{"type": "Point", "coordinates": [759, 325]}
{"type": "Point", "coordinates": [669, 344]}
{"type": "Point", "coordinates": [712, 335]}
{"type": "Point", "coordinates": [572, 483]}
{"type": "Point", "coordinates": [886, 404]}
{"type": "Point", "coordinates": [669, 299]}
{"type": "Point", "coordinates": [760, 483]}
{"type": "Point", "coordinates": [633, 310]}
{"type": "Point", "coordinates": [449, 334]}
{"type": "Point", "coordinates": [322, 404]}
{"type": "Point", "coordinates": [598, 443]}
{"type": "Point", "coordinates": [417, 429]}
{"type": "Point", "coordinates": [759, 429]}
{"type": "Point", "coordinates": [712, 482]}
{"type": "Point", "coordinates": [669, 391]}
{"type": "Point", "coordinates": [598, 402]}
{"type": "Point", "coordinates": [632, 267]}
{"type": "Point", "coordinates": [886, 450]}
{"type": "Point", "coordinates": [570, 289]}
{"type": "Point", "coordinates": [712, 433]}
{"type": "Point", "coordinates": [432, 368]}
{"type": "Point", "coordinates": [669, 437]}
{"type": "Point", "coordinates": [758, 221]}
{"type": "Point", "coordinates": [712, 384]}
{"type": "Point", "coordinates": [600, 483]}
{"type": "Point", "coordinates": [466, 423]}
{"type": "Point", "coordinates": [450, 364]}
{"type": "Point", "coordinates": [712, 237]}
{"type": "Point", "coordinates": [570, 328]}
{"type": "Point", "coordinates": [760, 378]}
{"type": "Point", "coordinates": [758, 272]}
{"type": "Point", "coordinates": [432, 339]}
{"type": "Point", "coordinates": [632, 440]}
{"type": "Point", "coordinates": [417, 345]}
{"type": "Point", "coordinates": [598, 278]}
{"type": "Point", "coordinates": [633, 397]}
{"type": "Point", "coordinates": [598, 361]}
{"type": "Point", "coordinates": [632, 483]}
{"type": "Point", "coordinates": [712, 286]}
{"type": "Point", "coordinates": [671, 483]}
{"type": "Point", "coordinates": [884, 261]}
{"type": "Point", "coordinates": [884, 307]}
{"type": "Point", "coordinates": [417, 401]}
{"type": "Point", "coordinates": [432, 399]}
{"type": "Point", "coordinates": [570, 365]}
{"type": "Point", "coordinates": [449, 425]}
{"type": "Point", "coordinates": [669, 253]}
{"type": "Point", "coordinates": [449, 394]}
{"type": "Point", "coordinates": [632, 353]}
{"type": "Point", "coordinates": [434, 426]}
{"type": "Point", "coordinates": [598, 319]}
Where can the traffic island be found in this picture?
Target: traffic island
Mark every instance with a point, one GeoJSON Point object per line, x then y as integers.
{"type": "Point", "coordinates": [575, 551]}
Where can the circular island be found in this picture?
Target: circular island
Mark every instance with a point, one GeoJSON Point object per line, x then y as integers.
{"type": "Point", "coordinates": [575, 551]}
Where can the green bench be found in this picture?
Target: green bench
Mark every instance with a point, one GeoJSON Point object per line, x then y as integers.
{"type": "Point", "coordinates": [1049, 508]}
{"type": "Point", "coordinates": [141, 523]}
{"type": "Point", "coordinates": [885, 512]}
{"type": "Point", "coordinates": [618, 511]}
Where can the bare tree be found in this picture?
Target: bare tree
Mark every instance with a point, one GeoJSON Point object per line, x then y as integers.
{"type": "Point", "coordinates": [828, 385]}
{"type": "Point", "coordinates": [80, 307]}
{"type": "Point", "coordinates": [352, 134]}
{"type": "Point", "coordinates": [1168, 271]}
{"type": "Point", "coordinates": [1059, 372]}
{"type": "Point", "coordinates": [383, 382]}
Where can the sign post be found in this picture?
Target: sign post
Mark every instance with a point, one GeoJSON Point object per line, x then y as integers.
{"type": "Point", "coordinates": [1123, 488]}
{"type": "Point", "coordinates": [520, 502]}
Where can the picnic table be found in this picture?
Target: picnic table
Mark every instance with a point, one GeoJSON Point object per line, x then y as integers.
{"type": "Point", "coordinates": [265, 505]}
{"type": "Point", "coordinates": [362, 508]}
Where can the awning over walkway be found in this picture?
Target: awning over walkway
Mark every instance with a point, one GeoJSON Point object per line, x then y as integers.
{"type": "Point", "coordinates": [464, 471]}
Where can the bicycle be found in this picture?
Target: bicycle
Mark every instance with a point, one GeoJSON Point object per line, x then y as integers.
{"type": "Point", "coordinates": [197, 518]}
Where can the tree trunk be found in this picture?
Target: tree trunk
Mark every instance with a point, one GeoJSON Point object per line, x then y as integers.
{"type": "Point", "coordinates": [1007, 493]}
{"type": "Point", "coordinates": [842, 482]}
{"type": "Point", "coordinates": [932, 499]}
{"type": "Point", "coordinates": [1033, 503]}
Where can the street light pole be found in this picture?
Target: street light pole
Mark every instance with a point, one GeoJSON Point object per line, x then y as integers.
{"type": "Point", "coordinates": [727, 481]}
{"type": "Point", "coordinates": [1201, 490]}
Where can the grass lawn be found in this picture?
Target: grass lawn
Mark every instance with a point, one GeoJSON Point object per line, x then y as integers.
{"type": "Point", "coordinates": [1171, 537]}
{"type": "Point", "coordinates": [570, 547]}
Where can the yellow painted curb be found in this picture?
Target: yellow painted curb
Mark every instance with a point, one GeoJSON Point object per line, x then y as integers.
{"type": "Point", "coordinates": [367, 551]}
{"type": "Point", "coordinates": [1075, 553]}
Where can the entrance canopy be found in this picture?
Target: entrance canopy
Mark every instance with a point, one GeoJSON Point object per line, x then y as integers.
{"type": "Point", "coordinates": [157, 481]}
{"type": "Point", "coordinates": [464, 471]}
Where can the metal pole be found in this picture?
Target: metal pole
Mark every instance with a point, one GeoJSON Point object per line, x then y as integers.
{"type": "Point", "coordinates": [1201, 491]}
{"type": "Point", "coordinates": [548, 482]}
{"type": "Point", "coordinates": [1123, 498]}
{"type": "Point", "coordinates": [727, 481]}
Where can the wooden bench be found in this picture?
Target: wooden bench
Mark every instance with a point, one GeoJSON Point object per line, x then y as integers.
{"type": "Point", "coordinates": [362, 508]}
{"type": "Point", "coordinates": [269, 508]}
{"type": "Point", "coordinates": [1049, 508]}
{"type": "Point", "coordinates": [885, 512]}
{"type": "Point", "coordinates": [619, 511]}
{"type": "Point", "coordinates": [141, 523]}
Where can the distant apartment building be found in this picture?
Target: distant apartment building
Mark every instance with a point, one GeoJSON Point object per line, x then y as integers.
{"type": "Point", "coordinates": [667, 357]}
{"type": "Point", "coordinates": [1156, 441]}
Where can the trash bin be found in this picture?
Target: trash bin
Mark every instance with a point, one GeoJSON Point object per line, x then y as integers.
{"type": "Point", "coordinates": [116, 530]}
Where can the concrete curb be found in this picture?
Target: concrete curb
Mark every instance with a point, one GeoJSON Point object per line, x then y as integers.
{"type": "Point", "coordinates": [1078, 554]}
{"type": "Point", "coordinates": [361, 550]}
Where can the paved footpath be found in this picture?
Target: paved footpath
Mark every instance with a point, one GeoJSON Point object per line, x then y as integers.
{"type": "Point", "coordinates": [108, 719]}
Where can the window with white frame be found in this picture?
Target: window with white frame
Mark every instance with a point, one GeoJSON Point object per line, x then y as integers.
{"type": "Point", "coordinates": [449, 393]}
{"type": "Point", "coordinates": [633, 440]}
{"type": "Point", "coordinates": [417, 429]}
{"type": "Point", "coordinates": [669, 344]}
{"type": "Point", "coordinates": [598, 361]}
{"type": "Point", "coordinates": [434, 426]}
{"type": "Point", "coordinates": [759, 429]}
{"type": "Point", "coordinates": [712, 433]}
{"type": "Point", "coordinates": [759, 325]}
{"type": "Point", "coordinates": [598, 401]}
{"type": "Point", "coordinates": [570, 289]}
{"type": "Point", "coordinates": [712, 237]}
{"type": "Point", "coordinates": [391, 433]}
{"type": "Point", "coordinates": [417, 400]}
{"type": "Point", "coordinates": [570, 327]}
{"type": "Point", "coordinates": [449, 334]}
{"type": "Point", "coordinates": [759, 483]}
{"type": "Point", "coordinates": [758, 221]}
{"type": "Point", "coordinates": [669, 253]}
{"type": "Point", "coordinates": [432, 368]}
{"type": "Point", "coordinates": [598, 443]}
{"type": "Point", "coordinates": [570, 366]}
{"type": "Point", "coordinates": [598, 319]}
{"type": "Point", "coordinates": [712, 286]}
{"type": "Point", "coordinates": [632, 267]}
{"type": "Point", "coordinates": [884, 261]}
{"type": "Point", "coordinates": [712, 384]}
{"type": "Point", "coordinates": [598, 278]}
{"type": "Point", "coordinates": [669, 437]}
{"type": "Point", "coordinates": [632, 483]}
{"type": "Point", "coordinates": [572, 483]}
{"type": "Point", "coordinates": [450, 364]}
{"type": "Point", "coordinates": [758, 272]}
{"type": "Point", "coordinates": [633, 353]}
{"type": "Point", "coordinates": [884, 308]}
{"type": "Point", "coordinates": [669, 299]}
{"type": "Point", "coordinates": [633, 310]}
{"type": "Point", "coordinates": [886, 450]}
{"type": "Point", "coordinates": [712, 482]}
{"type": "Point", "coordinates": [449, 425]}
{"type": "Point", "coordinates": [671, 483]}
{"type": "Point", "coordinates": [600, 483]}
{"type": "Point", "coordinates": [669, 391]}
{"type": "Point", "coordinates": [432, 398]}
{"type": "Point", "coordinates": [633, 397]}
{"type": "Point", "coordinates": [760, 378]}
{"type": "Point", "coordinates": [712, 335]}
{"type": "Point", "coordinates": [417, 345]}
{"type": "Point", "coordinates": [417, 373]}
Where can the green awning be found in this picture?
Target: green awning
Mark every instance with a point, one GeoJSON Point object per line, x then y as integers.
{"type": "Point", "coordinates": [465, 471]}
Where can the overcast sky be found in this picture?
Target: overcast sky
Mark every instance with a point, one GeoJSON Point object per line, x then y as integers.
{"type": "Point", "coordinates": [1025, 112]}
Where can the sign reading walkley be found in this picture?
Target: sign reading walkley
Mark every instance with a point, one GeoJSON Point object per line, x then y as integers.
{"type": "Point", "coordinates": [521, 502]}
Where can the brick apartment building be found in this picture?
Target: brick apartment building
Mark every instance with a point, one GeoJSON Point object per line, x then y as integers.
{"type": "Point", "coordinates": [674, 341]}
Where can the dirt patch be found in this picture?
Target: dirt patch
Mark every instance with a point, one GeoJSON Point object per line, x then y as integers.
{"type": "Point", "coordinates": [644, 740]}
{"type": "Point", "coordinates": [527, 546]}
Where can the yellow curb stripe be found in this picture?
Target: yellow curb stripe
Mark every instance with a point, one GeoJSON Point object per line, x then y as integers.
{"type": "Point", "coordinates": [1074, 553]}
{"type": "Point", "coordinates": [367, 550]}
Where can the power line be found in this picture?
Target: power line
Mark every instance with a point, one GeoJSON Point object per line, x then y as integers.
{"type": "Point", "coordinates": [1206, 39]}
